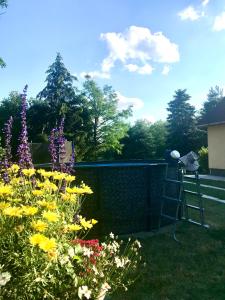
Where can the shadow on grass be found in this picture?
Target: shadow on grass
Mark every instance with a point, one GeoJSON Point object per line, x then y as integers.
{"type": "Point", "coordinates": [193, 269]}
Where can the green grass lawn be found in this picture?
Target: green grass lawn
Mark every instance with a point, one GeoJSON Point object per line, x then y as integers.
{"type": "Point", "coordinates": [193, 269]}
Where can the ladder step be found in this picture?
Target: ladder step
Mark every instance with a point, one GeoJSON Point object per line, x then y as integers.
{"type": "Point", "coordinates": [169, 217]}
{"type": "Point", "coordinates": [195, 207]}
{"type": "Point", "coordinates": [171, 199]}
{"type": "Point", "coordinates": [172, 181]}
{"type": "Point", "coordinates": [197, 223]}
{"type": "Point", "coordinates": [192, 193]}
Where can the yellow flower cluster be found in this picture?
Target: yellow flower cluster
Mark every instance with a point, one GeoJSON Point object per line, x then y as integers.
{"type": "Point", "coordinates": [87, 224]}
{"type": "Point", "coordinates": [38, 193]}
{"type": "Point", "coordinates": [5, 190]}
{"type": "Point", "coordinates": [56, 175]}
{"type": "Point", "coordinates": [50, 216]}
{"type": "Point", "coordinates": [73, 227]}
{"type": "Point", "coordinates": [40, 207]}
{"type": "Point", "coordinates": [15, 211]}
{"type": "Point", "coordinates": [29, 210]}
{"type": "Point", "coordinates": [69, 197]}
{"type": "Point", "coordinates": [51, 205]}
{"type": "Point", "coordinates": [47, 185]}
{"type": "Point", "coordinates": [14, 169]}
{"type": "Point", "coordinates": [84, 189]}
{"type": "Point", "coordinates": [39, 225]}
{"type": "Point", "coordinates": [44, 243]}
{"type": "Point", "coordinates": [28, 172]}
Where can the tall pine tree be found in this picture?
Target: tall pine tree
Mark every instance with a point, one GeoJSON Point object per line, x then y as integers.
{"type": "Point", "coordinates": [60, 99]}
{"type": "Point", "coordinates": [181, 123]}
{"type": "Point", "coordinates": [214, 97]}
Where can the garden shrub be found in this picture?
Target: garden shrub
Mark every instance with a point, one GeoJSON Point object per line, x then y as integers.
{"type": "Point", "coordinates": [203, 159]}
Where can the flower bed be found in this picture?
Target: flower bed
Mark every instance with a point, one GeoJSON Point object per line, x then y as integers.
{"type": "Point", "coordinates": [43, 250]}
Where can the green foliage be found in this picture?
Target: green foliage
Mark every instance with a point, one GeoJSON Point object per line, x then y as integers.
{"type": "Point", "coordinates": [57, 94]}
{"type": "Point", "coordinates": [106, 125]}
{"type": "Point", "coordinates": [3, 3]}
{"type": "Point", "coordinates": [204, 159]}
{"type": "Point", "coordinates": [59, 98]}
{"type": "Point", "coordinates": [2, 63]}
{"type": "Point", "coordinates": [145, 140]}
{"type": "Point", "coordinates": [182, 130]}
{"type": "Point", "coordinates": [11, 106]}
{"type": "Point", "coordinates": [1, 150]}
{"type": "Point", "coordinates": [214, 98]}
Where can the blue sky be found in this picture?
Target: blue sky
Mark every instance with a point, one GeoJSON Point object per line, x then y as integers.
{"type": "Point", "coordinates": [145, 49]}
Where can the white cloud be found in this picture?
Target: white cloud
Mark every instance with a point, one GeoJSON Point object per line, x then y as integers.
{"type": "Point", "coordinates": [149, 118]}
{"type": "Point", "coordinates": [95, 74]}
{"type": "Point", "coordinates": [135, 47]}
{"type": "Point", "coordinates": [146, 69]}
{"type": "Point", "coordinates": [219, 22]}
{"type": "Point", "coordinates": [190, 13]}
{"type": "Point", "coordinates": [205, 2]}
{"type": "Point", "coordinates": [166, 70]}
{"type": "Point", "coordinates": [125, 102]}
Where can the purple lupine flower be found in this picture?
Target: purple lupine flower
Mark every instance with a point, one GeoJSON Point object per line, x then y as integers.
{"type": "Point", "coordinates": [53, 148]}
{"type": "Point", "coordinates": [61, 142]}
{"type": "Point", "coordinates": [24, 155]}
{"type": "Point", "coordinates": [58, 151]}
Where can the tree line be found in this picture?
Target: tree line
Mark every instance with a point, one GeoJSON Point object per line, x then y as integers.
{"type": "Point", "coordinates": [98, 129]}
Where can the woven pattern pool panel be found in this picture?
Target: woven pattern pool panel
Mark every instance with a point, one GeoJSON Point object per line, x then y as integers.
{"type": "Point", "coordinates": [126, 199]}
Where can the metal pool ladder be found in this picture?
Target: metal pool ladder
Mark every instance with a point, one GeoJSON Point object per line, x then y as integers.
{"type": "Point", "coordinates": [181, 205]}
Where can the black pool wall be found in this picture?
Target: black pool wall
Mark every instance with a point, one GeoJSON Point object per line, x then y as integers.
{"type": "Point", "coordinates": [127, 196]}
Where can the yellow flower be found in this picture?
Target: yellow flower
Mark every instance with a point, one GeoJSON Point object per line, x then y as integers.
{"type": "Point", "coordinates": [70, 178]}
{"type": "Point", "coordinates": [50, 216]}
{"type": "Point", "coordinates": [49, 205]}
{"type": "Point", "coordinates": [74, 227]}
{"type": "Point", "coordinates": [28, 172]}
{"type": "Point", "coordinates": [59, 176]}
{"type": "Point", "coordinates": [5, 190]}
{"type": "Point", "coordinates": [69, 197]}
{"type": "Point", "coordinates": [37, 192]}
{"type": "Point", "coordinates": [39, 225]}
{"type": "Point", "coordinates": [47, 185]}
{"type": "Point", "coordinates": [37, 238]}
{"type": "Point", "coordinates": [85, 224]}
{"type": "Point", "coordinates": [48, 245]}
{"type": "Point", "coordinates": [86, 188]}
{"type": "Point", "coordinates": [29, 210]}
{"type": "Point", "coordinates": [44, 173]}
{"type": "Point", "coordinates": [14, 168]}
{"type": "Point", "coordinates": [3, 205]}
{"type": "Point", "coordinates": [93, 221]}
{"type": "Point", "coordinates": [13, 211]}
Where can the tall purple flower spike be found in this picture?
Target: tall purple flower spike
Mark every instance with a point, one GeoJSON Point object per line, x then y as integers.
{"type": "Point", "coordinates": [24, 155]}
{"type": "Point", "coordinates": [61, 145]}
{"type": "Point", "coordinates": [57, 150]}
{"type": "Point", "coordinates": [53, 148]}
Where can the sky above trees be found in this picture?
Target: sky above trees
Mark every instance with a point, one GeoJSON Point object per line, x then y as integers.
{"type": "Point", "coordinates": [144, 49]}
